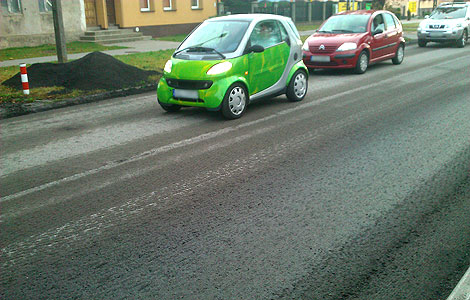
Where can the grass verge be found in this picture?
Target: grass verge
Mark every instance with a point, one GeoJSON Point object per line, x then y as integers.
{"type": "Point", "coordinates": [410, 27]}
{"type": "Point", "coordinates": [305, 26]}
{"type": "Point", "coordinates": [147, 61]}
{"type": "Point", "coordinates": [49, 50]}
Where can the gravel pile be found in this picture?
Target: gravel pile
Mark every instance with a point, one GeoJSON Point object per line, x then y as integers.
{"type": "Point", "coordinates": [93, 71]}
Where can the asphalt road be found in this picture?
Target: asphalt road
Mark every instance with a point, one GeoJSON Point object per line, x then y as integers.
{"type": "Point", "coordinates": [361, 191]}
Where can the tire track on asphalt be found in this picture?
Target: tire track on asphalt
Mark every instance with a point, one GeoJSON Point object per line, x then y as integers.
{"type": "Point", "coordinates": [92, 225]}
{"type": "Point", "coordinates": [211, 135]}
{"type": "Point", "coordinates": [378, 245]}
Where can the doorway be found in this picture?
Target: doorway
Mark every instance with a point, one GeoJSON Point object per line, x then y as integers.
{"type": "Point", "coordinates": [111, 12]}
{"type": "Point", "coordinates": [90, 13]}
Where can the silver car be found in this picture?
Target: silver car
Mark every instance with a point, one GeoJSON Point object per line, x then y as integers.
{"type": "Point", "coordinates": [449, 22]}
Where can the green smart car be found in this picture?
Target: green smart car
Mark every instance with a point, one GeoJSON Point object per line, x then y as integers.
{"type": "Point", "coordinates": [228, 62]}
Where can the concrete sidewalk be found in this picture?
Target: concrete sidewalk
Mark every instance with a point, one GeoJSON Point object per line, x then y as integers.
{"type": "Point", "coordinates": [133, 47]}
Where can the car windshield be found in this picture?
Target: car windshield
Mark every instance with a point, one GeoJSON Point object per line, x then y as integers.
{"type": "Point", "coordinates": [215, 36]}
{"type": "Point", "coordinates": [346, 24]}
{"type": "Point", "coordinates": [448, 13]}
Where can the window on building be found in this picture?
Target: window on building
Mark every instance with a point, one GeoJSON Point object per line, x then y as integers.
{"type": "Point", "coordinates": [144, 5]}
{"type": "Point", "coordinates": [195, 4]}
{"type": "Point", "coordinates": [12, 6]}
{"type": "Point", "coordinates": [168, 5]}
{"type": "Point", "coordinates": [45, 5]}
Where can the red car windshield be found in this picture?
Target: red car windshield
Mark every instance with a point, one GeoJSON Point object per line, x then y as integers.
{"type": "Point", "coordinates": [345, 24]}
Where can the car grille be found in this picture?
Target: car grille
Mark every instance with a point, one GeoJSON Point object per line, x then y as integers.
{"type": "Point", "coordinates": [436, 26]}
{"type": "Point", "coordinates": [315, 49]}
{"type": "Point", "coordinates": [189, 84]}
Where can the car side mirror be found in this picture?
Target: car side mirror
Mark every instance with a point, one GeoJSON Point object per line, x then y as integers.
{"type": "Point", "coordinates": [426, 16]}
{"type": "Point", "coordinates": [255, 49]}
{"type": "Point", "coordinates": [378, 31]}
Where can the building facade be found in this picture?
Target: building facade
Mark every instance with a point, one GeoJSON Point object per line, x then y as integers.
{"type": "Point", "coordinates": [29, 22]}
{"type": "Point", "coordinates": [417, 8]}
{"type": "Point", "coordinates": [151, 17]}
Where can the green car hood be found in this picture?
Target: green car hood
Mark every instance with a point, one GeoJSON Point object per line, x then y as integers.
{"type": "Point", "coordinates": [191, 69]}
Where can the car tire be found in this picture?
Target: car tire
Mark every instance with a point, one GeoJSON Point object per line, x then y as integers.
{"type": "Point", "coordinates": [462, 41]}
{"type": "Point", "coordinates": [399, 55]}
{"type": "Point", "coordinates": [170, 107]}
{"type": "Point", "coordinates": [362, 63]}
{"type": "Point", "coordinates": [235, 101]}
{"type": "Point", "coordinates": [298, 86]}
{"type": "Point", "coordinates": [422, 43]}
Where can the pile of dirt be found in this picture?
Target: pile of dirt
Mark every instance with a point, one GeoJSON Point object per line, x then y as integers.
{"type": "Point", "coordinates": [93, 71]}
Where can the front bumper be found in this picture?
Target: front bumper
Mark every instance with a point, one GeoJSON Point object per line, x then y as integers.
{"type": "Point", "coordinates": [335, 60]}
{"type": "Point", "coordinates": [445, 35]}
{"type": "Point", "coordinates": [210, 98]}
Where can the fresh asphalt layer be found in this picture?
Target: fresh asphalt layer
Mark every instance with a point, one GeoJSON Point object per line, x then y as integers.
{"type": "Point", "coordinates": [360, 191]}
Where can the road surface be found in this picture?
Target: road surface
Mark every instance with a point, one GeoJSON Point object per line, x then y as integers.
{"type": "Point", "coordinates": [360, 191]}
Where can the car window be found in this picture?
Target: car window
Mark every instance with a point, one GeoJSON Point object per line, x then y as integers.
{"type": "Point", "coordinates": [390, 22]}
{"type": "Point", "coordinates": [223, 36]}
{"type": "Point", "coordinates": [284, 35]}
{"type": "Point", "coordinates": [452, 12]}
{"type": "Point", "coordinates": [266, 34]}
{"type": "Point", "coordinates": [345, 24]}
{"type": "Point", "coordinates": [378, 23]}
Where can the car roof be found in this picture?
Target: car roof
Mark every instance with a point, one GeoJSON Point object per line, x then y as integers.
{"type": "Point", "coordinates": [456, 4]}
{"type": "Point", "coordinates": [249, 17]}
{"type": "Point", "coordinates": [357, 12]}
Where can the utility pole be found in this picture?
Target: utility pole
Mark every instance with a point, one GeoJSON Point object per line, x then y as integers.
{"type": "Point", "coordinates": [59, 31]}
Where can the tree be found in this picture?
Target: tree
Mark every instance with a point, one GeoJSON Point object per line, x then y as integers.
{"type": "Point", "coordinates": [378, 4]}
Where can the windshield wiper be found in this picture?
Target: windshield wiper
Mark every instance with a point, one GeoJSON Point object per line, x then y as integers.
{"type": "Point", "coordinates": [324, 31]}
{"type": "Point", "coordinates": [200, 49]}
{"type": "Point", "coordinates": [343, 30]}
{"type": "Point", "coordinates": [204, 49]}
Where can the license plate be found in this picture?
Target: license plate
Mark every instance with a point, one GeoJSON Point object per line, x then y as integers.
{"type": "Point", "coordinates": [320, 58]}
{"type": "Point", "coordinates": [436, 34]}
{"type": "Point", "coordinates": [185, 94]}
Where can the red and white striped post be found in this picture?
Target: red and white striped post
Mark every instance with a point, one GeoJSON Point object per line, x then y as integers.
{"type": "Point", "coordinates": [24, 79]}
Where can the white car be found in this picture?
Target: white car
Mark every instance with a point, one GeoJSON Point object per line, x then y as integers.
{"type": "Point", "coordinates": [449, 22]}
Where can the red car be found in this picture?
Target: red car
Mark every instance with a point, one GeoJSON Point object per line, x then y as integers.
{"type": "Point", "coordinates": [355, 39]}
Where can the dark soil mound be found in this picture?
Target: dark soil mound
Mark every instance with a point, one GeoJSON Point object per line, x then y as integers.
{"type": "Point", "coordinates": [93, 71]}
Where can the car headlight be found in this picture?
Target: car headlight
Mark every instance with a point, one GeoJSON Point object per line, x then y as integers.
{"type": "Point", "coordinates": [347, 47]}
{"type": "Point", "coordinates": [305, 46]}
{"type": "Point", "coordinates": [220, 68]}
{"type": "Point", "coordinates": [168, 66]}
{"type": "Point", "coordinates": [459, 25]}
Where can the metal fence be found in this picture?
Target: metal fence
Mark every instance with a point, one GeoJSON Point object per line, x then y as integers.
{"type": "Point", "coordinates": [284, 8]}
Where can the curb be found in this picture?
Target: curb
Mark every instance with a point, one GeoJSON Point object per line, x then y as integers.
{"type": "Point", "coordinates": [10, 110]}
{"type": "Point", "coordinates": [462, 290]}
